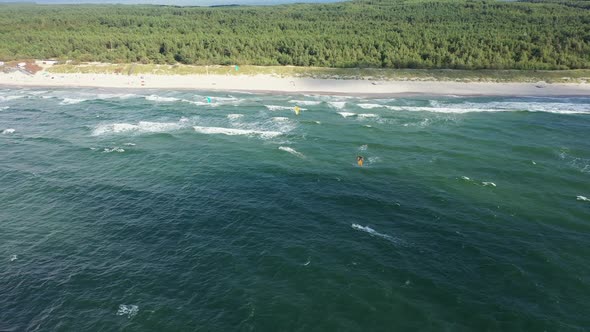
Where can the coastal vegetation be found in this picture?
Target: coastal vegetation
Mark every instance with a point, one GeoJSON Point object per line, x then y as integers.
{"type": "Point", "coordinates": [375, 74]}
{"type": "Point", "coordinates": [411, 34]}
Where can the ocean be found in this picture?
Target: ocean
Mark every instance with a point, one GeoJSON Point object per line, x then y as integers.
{"type": "Point", "coordinates": [155, 210]}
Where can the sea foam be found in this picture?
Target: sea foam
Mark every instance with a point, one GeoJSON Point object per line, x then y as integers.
{"type": "Point", "coordinates": [8, 131]}
{"type": "Point", "coordinates": [280, 108]}
{"type": "Point", "coordinates": [161, 99]}
{"type": "Point", "coordinates": [72, 101]}
{"type": "Point", "coordinates": [127, 309]}
{"type": "Point", "coordinates": [140, 127]}
{"type": "Point", "coordinates": [305, 102]}
{"type": "Point", "coordinates": [583, 198]}
{"type": "Point", "coordinates": [373, 232]}
{"type": "Point", "coordinates": [234, 132]}
{"type": "Point", "coordinates": [234, 116]}
{"type": "Point", "coordinates": [371, 106]}
{"type": "Point", "coordinates": [337, 104]}
{"type": "Point", "coordinates": [346, 114]}
{"type": "Point", "coordinates": [291, 151]}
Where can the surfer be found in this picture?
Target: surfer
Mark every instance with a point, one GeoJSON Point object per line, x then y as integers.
{"type": "Point", "coordinates": [360, 160]}
{"type": "Point", "coordinates": [297, 110]}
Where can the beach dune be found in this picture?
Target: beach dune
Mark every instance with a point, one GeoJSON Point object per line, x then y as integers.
{"type": "Point", "coordinates": [274, 84]}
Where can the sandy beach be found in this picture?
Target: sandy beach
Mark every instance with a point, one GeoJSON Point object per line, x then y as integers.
{"type": "Point", "coordinates": [273, 84]}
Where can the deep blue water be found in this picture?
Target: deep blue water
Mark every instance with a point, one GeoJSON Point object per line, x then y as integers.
{"type": "Point", "coordinates": [160, 211]}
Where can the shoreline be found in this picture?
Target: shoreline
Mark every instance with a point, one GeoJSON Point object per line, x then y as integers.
{"type": "Point", "coordinates": [292, 85]}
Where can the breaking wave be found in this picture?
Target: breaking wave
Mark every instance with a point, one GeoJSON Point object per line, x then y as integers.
{"type": "Point", "coordinates": [346, 114]}
{"type": "Point", "coordinates": [337, 104]}
{"type": "Point", "coordinates": [291, 151]}
{"type": "Point", "coordinates": [161, 99]}
{"type": "Point", "coordinates": [235, 116]}
{"type": "Point", "coordinates": [305, 102]}
{"type": "Point", "coordinates": [140, 127]}
{"type": "Point", "coordinates": [372, 232]}
{"type": "Point", "coordinates": [234, 132]}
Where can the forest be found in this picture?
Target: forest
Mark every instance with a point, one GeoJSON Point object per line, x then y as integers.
{"type": "Point", "coordinates": [453, 34]}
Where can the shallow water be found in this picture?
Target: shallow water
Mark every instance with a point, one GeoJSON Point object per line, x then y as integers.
{"type": "Point", "coordinates": [160, 211]}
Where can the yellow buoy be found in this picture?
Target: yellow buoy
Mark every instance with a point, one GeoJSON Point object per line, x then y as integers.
{"type": "Point", "coordinates": [297, 110]}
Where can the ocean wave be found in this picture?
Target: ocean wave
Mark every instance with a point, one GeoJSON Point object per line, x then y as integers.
{"type": "Point", "coordinates": [280, 119]}
{"type": "Point", "coordinates": [488, 184]}
{"type": "Point", "coordinates": [370, 106]}
{"type": "Point", "coordinates": [235, 116]}
{"type": "Point", "coordinates": [581, 164]}
{"type": "Point", "coordinates": [113, 149]}
{"type": "Point", "coordinates": [127, 309]}
{"type": "Point", "coordinates": [373, 232]}
{"type": "Point", "coordinates": [234, 132]}
{"type": "Point", "coordinates": [346, 114]}
{"type": "Point", "coordinates": [279, 108]}
{"type": "Point", "coordinates": [4, 108]}
{"type": "Point", "coordinates": [72, 101]}
{"type": "Point", "coordinates": [337, 104]}
{"type": "Point", "coordinates": [558, 108]}
{"type": "Point", "coordinates": [9, 98]}
{"type": "Point", "coordinates": [367, 115]}
{"type": "Point", "coordinates": [583, 198]}
{"type": "Point", "coordinates": [8, 131]}
{"type": "Point", "coordinates": [13, 258]}
{"type": "Point", "coordinates": [140, 127]}
{"type": "Point", "coordinates": [305, 102]}
{"type": "Point", "coordinates": [161, 99]}
{"type": "Point", "coordinates": [291, 151]}
{"type": "Point", "coordinates": [363, 147]}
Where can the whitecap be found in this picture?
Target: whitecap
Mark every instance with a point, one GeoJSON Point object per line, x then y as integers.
{"type": "Point", "coordinates": [368, 126]}
{"type": "Point", "coordinates": [582, 198]}
{"type": "Point", "coordinates": [373, 232]}
{"type": "Point", "coordinates": [280, 119]}
{"type": "Point", "coordinates": [305, 102]}
{"type": "Point", "coordinates": [8, 98]}
{"type": "Point", "coordinates": [234, 131]}
{"type": "Point", "coordinates": [465, 178]}
{"type": "Point", "coordinates": [140, 127]}
{"type": "Point", "coordinates": [367, 115]}
{"type": "Point", "coordinates": [72, 101]}
{"type": "Point", "coordinates": [558, 108]}
{"type": "Point", "coordinates": [370, 106]}
{"type": "Point", "coordinates": [13, 258]}
{"type": "Point", "coordinates": [346, 114]}
{"type": "Point", "coordinates": [317, 122]}
{"type": "Point", "coordinates": [234, 116]}
{"type": "Point", "coordinates": [114, 149]}
{"type": "Point", "coordinates": [291, 151]}
{"type": "Point", "coordinates": [8, 131]}
{"type": "Point", "coordinates": [129, 144]}
{"type": "Point", "coordinates": [363, 147]}
{"type": "Point", "coordinates": [127, 309]}
{"type": "Point", "coordinates": [4, 108]}
{"type": "Point", "coordinates": [279, 108]}
{"type": "Point", "coordinates": [337, 104]}
{"type": "Point", "coordinates": [161, 99]}
{"type": "Point", "coordinates": [488, 184]}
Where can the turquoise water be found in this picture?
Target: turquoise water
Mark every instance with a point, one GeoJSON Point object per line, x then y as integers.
{"type": "Point", "coordinates": [159, 211]}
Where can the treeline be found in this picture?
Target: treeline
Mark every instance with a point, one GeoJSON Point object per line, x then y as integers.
{"type": "Point", "coordinates": [361, 33]}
